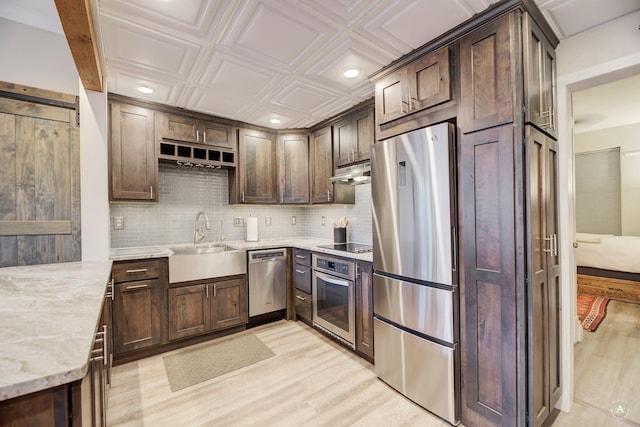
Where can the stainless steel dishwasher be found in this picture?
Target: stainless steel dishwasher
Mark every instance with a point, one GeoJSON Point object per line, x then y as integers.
{"type": "Point", "coordinates": [267, 281]}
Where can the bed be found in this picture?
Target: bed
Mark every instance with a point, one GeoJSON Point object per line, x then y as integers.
{"type": "Point", "coordinates": [609, 266]}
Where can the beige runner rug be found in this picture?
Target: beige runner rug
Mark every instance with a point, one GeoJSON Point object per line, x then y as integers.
{"type": "Point", "coordinates": [190, 367]}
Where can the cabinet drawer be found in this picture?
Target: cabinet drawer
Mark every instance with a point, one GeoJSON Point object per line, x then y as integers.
{"type": "Point", "coordinates": [302, 277]}
{"type": "Point", "coordinates": [302, 257]}
{"type": "Point", "coordinates": [303, 305]}
{"type": "Point", "coordinates": [135, 270]}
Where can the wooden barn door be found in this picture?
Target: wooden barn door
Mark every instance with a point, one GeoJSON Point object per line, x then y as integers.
{"type": "Point", "coordinates": [39, 177]}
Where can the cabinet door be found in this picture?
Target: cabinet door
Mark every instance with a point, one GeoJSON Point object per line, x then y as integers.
{"type": "Point", "coordinates": [540, 74]}
{"type": "Point", "coordinates": [487, 75]}
{"type": "Point", "coordinates": [321, 166]}
{"type": "Point", "coordinates": [134, 163]}
{"type": "Point", "coordinates": [544, 290]}
{"type": "Point", "coordinates": [257, 169]}
{"type": "Point", "coordinates": [180, 128]}
{"type": "Point", "coordinates": [218, 134]}
{"type": "Point", "coordinates": [188, 311]}
{"type": "Point", "coordinates": [364, 130]}
{"type": "Point", "coordinates": [138, 313]}
{"type": "Point", "coordinates": [488, 282]}
{"type": "Point", "coordinates": [294, 168]}
{"type": "Point", "coordinates": [344, 144]}
{"type": "Point", "coordinates": [364, 309]}
{"type": "Point", "coordinates": [229, 303]}
{"type": "Point", "coordinates": [391, 97]}
{"type": "Point", "coordinates": [429, 80]}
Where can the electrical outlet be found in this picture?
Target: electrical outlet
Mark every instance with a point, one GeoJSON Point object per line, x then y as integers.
{"type": "Point", "coordinates": [267, 221]}
{"type": "Point", "coordinates": [118, 223]}
{"type": "Point", "coordinates": [238, 221]}
{"type": "Point", "coordinates": [293, 220]}
{"type": "Point", "coordinates": [323, 220]}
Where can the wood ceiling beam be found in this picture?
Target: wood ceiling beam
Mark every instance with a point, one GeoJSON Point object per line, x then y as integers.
{"type": "Point", "coordinates": [75, 16]}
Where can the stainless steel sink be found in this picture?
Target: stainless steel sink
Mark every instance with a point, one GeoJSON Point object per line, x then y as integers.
{"type": "Point", "coordinates": [198, 262]}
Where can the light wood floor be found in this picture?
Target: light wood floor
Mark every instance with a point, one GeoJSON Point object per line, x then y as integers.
{"type": "Point", "coordinates": [607, 371]}
{"type": "Point", "coordinates": [311, 381]}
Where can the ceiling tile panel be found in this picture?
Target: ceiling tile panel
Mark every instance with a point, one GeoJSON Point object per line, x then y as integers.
{"type": "Point", "coordinates": [303, 97]}
{"type": "Point", "coordinates": [133, 45]}
{"type": "Point", "coordinates": [346, 12]}
{"type": "Point", "coordinates": [127, 82]}
{"type": "Point", "coordinates": [212, 102]}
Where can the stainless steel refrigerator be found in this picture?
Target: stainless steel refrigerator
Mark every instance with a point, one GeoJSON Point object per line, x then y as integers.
{"type": "Point", "coordinates": [415, 292]}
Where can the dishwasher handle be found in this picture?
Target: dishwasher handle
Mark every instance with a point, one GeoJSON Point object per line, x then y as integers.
{"type": "Point", "coordinates": [269, 255]}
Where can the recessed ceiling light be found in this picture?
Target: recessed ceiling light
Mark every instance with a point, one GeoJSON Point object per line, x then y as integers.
{"type": "Point", "coordinates": [275, 121]}
{"type": "Point", "coordinates": [144, 89]}
{"type": "Point", "coordinates": [352, 73]}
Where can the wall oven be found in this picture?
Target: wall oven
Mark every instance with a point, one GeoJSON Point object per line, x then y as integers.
{"type": "Point", "coordinates": [334, 297]}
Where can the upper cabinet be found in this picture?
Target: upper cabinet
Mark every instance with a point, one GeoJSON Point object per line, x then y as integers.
{"type": "Point", "coordinates": [293, 168]}
{"type": "Point", "coordinates": [133, 162]}
{"type": "Point", "coordinates": [539, 78]}
{"type": "Point", "coordinates": [353, 136]}
{"type": "Point", "coordinates": [189, 129]}
{"type": "Point", "coordinates": [419, 85]}
{"type": "Point", "coordinates": [322, 168]}
{"type": "Point", "coordinates": [254, 180]}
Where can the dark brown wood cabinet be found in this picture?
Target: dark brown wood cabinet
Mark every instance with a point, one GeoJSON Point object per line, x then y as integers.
{"type": "Point", "coordinates": [421, 84]}
{"type": "Point", "coordinates": [539, 78]}
{"type": "Point", "coordinates": [322, 168]}
{"type": "Point", "coordinates": [507, 201]}
{"type": "Point", "coordinates": [199, 308]}
{"type": "Point", "coordinates": [139, 304]}
{"type": "Point", "coordinates": [353, 136]}
{"type": "Point", "coordinates": [364, 309]}
{"type": "Point", "coordinates": [254, 180]}
{"type": "Point", "coordinates": [293, 168]}
{"type": "Point", "coordinates": [302, 284]}
{"type": "Point", "coordinates": [189, 129]}
{"type": "Point", "coordinates": [133, 160]}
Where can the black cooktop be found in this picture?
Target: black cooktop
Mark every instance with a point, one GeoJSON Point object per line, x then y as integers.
{"type": "Point", "coordinates": [357, 248]}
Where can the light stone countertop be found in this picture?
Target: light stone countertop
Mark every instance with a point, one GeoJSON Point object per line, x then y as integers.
{"type": "Point", "coordinates": [308, 243]}
{"type": "Point", "coordinates": [48, 317]}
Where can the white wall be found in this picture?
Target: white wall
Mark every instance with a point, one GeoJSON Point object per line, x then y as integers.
{"type": "Point", "coordinates": [628, 139]}
{"type": "Point", "coordinates": [42, 59]}
{"type": "Point", "coordinates": [600, 55]}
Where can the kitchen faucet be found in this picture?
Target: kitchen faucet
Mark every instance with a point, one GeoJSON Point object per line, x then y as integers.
{"type": "Point", "coordinates": [198, 234]}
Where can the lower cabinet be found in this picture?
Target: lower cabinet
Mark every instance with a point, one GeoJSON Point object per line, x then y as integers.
{"type": "Point", "coordinates": [303, 306]}
{"type": "Point", "coordinates": [203, 307]}
{"type": "Point", "coordinates": [364, 309]}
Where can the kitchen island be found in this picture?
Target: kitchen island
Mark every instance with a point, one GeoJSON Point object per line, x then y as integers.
{"type": "Point", "coordinates": [48, 319]}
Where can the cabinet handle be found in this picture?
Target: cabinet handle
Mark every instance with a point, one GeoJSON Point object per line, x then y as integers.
{"type": "Point", "coordinates": [132, 287]}
{"type": "Point", "coordinates": [197, 135]}
{"type": "Point", "coordinates": [207, 286]}
{"type": "Point", "coordinates": [550, 240]}
{"type": "Point", "coordinates": [215, 289]}
{"type": "Point", "coordinates": [301, 256]}
{"type": "Point", "coordinates": [204, 136]}
{"type": "Point", "coordinates": [301, 298]}
{"type": "Point", "coordinates": [243, 197]}
{"type": "Point", "coordinates": [555, 244]}
{"type": "Point", "coordinates": [151, 192]}
{"type": "Point", "coordinates": [328, 195]}
{"type": "Point", "coordinates": [357, 270]}
{"type": "Point", "coordinates": [137, 270]}
{"type": "Point", "coordinates": [300, 271]}
{"type": "Point", "coordinates": [106, 342]}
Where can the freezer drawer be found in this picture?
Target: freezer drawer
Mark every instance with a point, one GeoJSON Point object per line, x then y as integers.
{"type": "Point", "coordinates": [419, 369]}
{"type": "Point", "coordinates": [422, 308]}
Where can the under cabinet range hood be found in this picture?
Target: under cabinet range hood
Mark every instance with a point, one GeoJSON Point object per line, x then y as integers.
{"type": "Point", "coordinates": [359, 173]}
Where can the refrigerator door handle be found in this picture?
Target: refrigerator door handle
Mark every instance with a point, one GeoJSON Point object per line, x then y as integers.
{"type": "Point", "coordinates": [454, 248]}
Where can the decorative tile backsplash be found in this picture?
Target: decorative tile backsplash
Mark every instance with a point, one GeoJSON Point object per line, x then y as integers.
{"type": "Point", "coordinates": [183, 194]}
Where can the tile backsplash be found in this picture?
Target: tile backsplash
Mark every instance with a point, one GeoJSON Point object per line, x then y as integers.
{"type": "Point", "coordinates": [182, 194]}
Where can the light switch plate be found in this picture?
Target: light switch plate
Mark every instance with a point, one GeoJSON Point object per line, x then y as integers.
{"type": "Point", "coordinates": [293, 220]}
{"type": "Point", "coordinates": [118, 223]}
{"type": "Point", "coordinates": [267, 221]}
{"type": "Point", "coordinates": [238, 221]}
{"type": "Point", "coordinates": [323, 220]}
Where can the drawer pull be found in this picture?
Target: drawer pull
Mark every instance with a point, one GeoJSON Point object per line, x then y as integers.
{"type": "Point", "coordinates": [301, 256]}
{"type": "Point", "coordinates": [301, 298]}
{"type": "Point", "coordinates": [300, 271]}
{"type": "Point", "coordinates": [137, 287]}
{"type": "Point", "coordinates": [137, 270]}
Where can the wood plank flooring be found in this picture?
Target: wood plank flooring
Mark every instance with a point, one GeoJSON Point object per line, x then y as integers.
{"type": "Point", "coordinates": [311, 381]}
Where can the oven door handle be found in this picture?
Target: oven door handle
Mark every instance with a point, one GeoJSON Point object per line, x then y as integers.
{"type": "Point", "coordinates": [333, 281]}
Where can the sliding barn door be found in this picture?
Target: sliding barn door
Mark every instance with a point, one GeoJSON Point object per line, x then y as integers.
{"type": "Point", "coordinates": [39, 183]}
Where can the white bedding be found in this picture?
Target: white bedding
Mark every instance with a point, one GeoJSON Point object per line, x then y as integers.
{"type": "Point", "coordinates": [609, 252]}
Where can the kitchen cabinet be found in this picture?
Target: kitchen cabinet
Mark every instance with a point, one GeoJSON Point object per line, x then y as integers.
{"type": "Point", "coordinates": [321, 170]}
{"type": "Point", "coordinates": [353, 136]}
{"type": "Point", "coordinates": [254, 180]}
{"type": "Point", "coordinates": [189, 129]}
{"type": "Point", "coordinates": [302, 284]}
{"type": "Point", "coordinates": [139, 304]}
{"type": "Point", "coordinates": [199, 308]}
{"type": "Point", "coordinates": [539, 78]}
{"type": "Point", "coordinates": [364, 309]}
{"type": "Point", "coordinates": [507, 212]}
{"type": "Point", "coordinates": [133, 161]}
{"type": "Point", "coordinates": [421, 84]}
{"type": "Point", "coordinates": [293, 168]}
